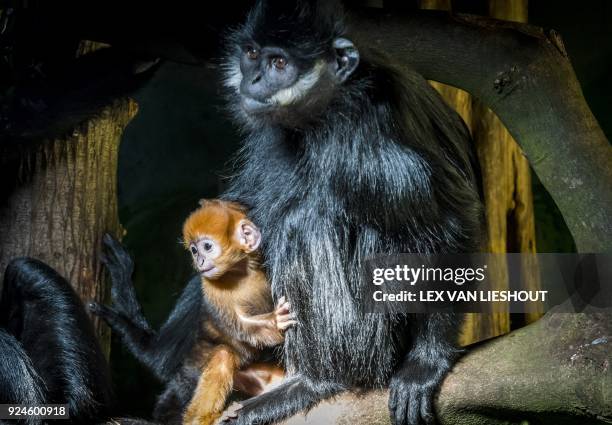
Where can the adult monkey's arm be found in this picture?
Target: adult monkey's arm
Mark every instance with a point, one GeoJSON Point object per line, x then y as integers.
{"type": "Point", "coordinates": [524, 75]}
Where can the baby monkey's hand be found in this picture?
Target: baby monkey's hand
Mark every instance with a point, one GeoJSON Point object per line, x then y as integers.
{"type": "Point", "coordinates": [230, 413]}
{"type": "Point", "coordinates": [284, 317]}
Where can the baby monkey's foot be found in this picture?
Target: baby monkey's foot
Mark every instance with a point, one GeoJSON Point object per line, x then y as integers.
{"type": "Point", "coordinates": [284, 317]}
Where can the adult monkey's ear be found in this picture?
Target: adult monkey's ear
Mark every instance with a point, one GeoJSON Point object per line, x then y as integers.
{"type": "Point", "coordinates": [347, 58]}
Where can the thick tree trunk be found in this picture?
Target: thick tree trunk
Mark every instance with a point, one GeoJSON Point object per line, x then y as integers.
{"type": "Point", "coordinates": [65, 199]}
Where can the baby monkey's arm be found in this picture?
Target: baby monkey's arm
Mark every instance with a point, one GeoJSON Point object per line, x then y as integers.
{"type": "Point", "coordinates": [267, 329]}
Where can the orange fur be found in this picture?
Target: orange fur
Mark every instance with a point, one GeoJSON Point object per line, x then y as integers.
{"type": "Point", "coordinates": [243, 319]}
{"type": "Point", "coordinates": [215, 218]}
{"type": "Point", "coordinates": [213, 387]}
{"type": "Point", "coordinates": [218, 220]}
{"type": "Point", "coordinates": [258, 378]}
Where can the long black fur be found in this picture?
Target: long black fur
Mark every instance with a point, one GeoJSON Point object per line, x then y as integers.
{"type": "Point", "coordinates": [48, 349]}
{"type": "Point", "coordinates": [386, 167]}
{"type": "Point", "coordinates": [49, 353]}
{"type": "Point", "coordinates": [19, 381]}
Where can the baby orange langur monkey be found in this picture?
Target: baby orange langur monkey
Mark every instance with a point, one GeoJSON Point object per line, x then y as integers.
{"type": "Point", "coordinates": [240, 316]}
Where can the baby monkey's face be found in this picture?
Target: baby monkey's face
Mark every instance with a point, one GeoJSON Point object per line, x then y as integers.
{"type": "Point", "coordinates": [205, 251]}
{"type": "Point", "coordinates": [220, 238]}
{"type": "Point", "coordinates": [212, 259]}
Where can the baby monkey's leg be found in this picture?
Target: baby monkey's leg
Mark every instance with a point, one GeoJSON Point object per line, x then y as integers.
{"type": "Point", "coordinates": [214, 386]}
{"type": "Point", "coordinates": [253, 380]}
{"type": "Point", "coordinates": [258, 378]}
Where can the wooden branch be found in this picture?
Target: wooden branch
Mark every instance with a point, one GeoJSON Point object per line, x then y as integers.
{"type": "Point", "coordinates": [524, 75]}
{"type": "Point", "coordinates": [554, 371]}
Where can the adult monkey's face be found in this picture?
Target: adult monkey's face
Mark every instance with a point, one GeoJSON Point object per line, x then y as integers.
{"type": "Point", "coordinates": [272, 79]}
{"type": "Point", "coordinates": [286, 61]}
{"type": "Point", "coordinates": [268, 74]}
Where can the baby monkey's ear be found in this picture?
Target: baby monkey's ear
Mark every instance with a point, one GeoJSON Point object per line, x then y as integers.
{"type": "Point", "coordinates": [248, 236]}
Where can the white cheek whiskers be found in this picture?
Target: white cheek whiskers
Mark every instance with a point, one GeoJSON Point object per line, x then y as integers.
{"type": "Point", "coordinates": [233, 74]}
{"type": "Point", "coordinates": [299, 88]}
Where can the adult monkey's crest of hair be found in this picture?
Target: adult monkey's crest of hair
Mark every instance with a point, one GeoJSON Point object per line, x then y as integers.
{"type": "Point", "coordinates": [305, 27]}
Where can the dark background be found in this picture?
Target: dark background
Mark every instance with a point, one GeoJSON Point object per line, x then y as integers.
{"type": "Point", "coordinates": [176, 150]}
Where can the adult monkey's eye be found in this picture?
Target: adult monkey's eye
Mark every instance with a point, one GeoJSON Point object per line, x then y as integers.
{"type": "Point", "coordinates": [252, 52]}
{"type": "Point", "coordinates": [279, 62]}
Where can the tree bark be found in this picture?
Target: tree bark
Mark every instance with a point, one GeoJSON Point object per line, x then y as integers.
{"type": "Point", "coordinates": [65, 200]}
{"type": "Point", "coordinates": [524, 75]}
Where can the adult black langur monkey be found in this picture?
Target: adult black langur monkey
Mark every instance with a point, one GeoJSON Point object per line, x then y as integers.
{"type": "Point", "coordinates": [48, 349]}
{"type": "Point", "coordinates": [346, 157]}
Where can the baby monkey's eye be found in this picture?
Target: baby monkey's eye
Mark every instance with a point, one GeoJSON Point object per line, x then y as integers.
{"type": "Point", "coordinates": [194, 250]}
{"type": "Point", "coordinates": [207, 246]}
{"type": "Point", "coordinates": [279, 62]}
{"type": "Point", "coordinates": [252, 52]}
